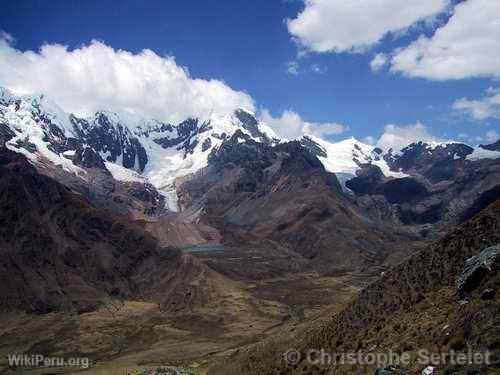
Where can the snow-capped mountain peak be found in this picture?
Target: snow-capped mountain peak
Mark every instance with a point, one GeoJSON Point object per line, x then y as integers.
{"type": "Point", "coordinates": [346, 157]}
{"type": "Point", "coordinates": [135, 149]}
{"type": "Point", "coordinates": [124, 145]}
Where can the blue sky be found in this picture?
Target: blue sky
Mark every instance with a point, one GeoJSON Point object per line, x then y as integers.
{"type": "Point", "coordinates": [248, 45]}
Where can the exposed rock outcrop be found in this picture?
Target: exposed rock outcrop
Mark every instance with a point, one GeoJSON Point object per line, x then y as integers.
{"type": "Point", "coordinates": [476, 268]}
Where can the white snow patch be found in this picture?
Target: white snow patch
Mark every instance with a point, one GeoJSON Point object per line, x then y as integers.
{"type": "Point", "coordinates": [120, 173]}
{"type": "Point", "coordinates": [481, 153]}
{"type": "Point", "coordinates": [171, 199]}
{"type": "Point", "coordinates": [382, 164]}
{"type": "Point", "coordinates": [341, 155]}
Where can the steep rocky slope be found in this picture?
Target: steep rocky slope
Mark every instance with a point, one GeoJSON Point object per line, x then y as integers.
{"type": "Point", "coordinates": [59, 253]}
{"type": "Point", "coordinates": [252, 191]}
{"type": "Point", "coordinates": [445, 184]}
{"type": "Point", "coordinates": [435, 301]}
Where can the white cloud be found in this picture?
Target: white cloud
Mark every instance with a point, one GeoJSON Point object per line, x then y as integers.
{"type": "Point", "coordinates": [467, 46]}
{"type": "Point", "coordinates": [379, 61]}
{"type": "Point", "coordinates": [290, 125]}
{"type": "Point", "coordinates": [370, 140]}
{"type": "Point", "coordinates": [6, 37]}
{"type": "Point", "coordinates": [492, 136]}
{"type": "Point", "coordinates": [480, 109]}
{"type": "Point", "coordinates": [354, 25]}
{"type": "Point", "coordinates": [323, 130]}
{"type": "Point", "coordinates": [292, 68]}
{"type": "Point", "coordinates": [400, 136]}
{"type": "Point", "coordinates": [96, 76]}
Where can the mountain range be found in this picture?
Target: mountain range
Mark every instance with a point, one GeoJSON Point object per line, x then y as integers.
{"type": "Point", "coordinates": [199, 239]}
{"type": "Point", "coordinates": [161, 156]}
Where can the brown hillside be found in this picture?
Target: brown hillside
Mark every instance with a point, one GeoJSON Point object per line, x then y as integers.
{"type": "Point", "coordinates": [413, 306]}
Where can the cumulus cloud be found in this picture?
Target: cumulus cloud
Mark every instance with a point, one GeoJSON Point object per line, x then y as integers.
{"type": "Point", "coordinates": [355, 25]}
{"type": "Point", "coordinates": [379, 61]}
{"type": "Point", "coordinates": [468, 45]}
{"type": "Point", "coordinates": [290, 125]}
{"type": "Point", "coordinates": [480, 109]}
{"type": "Point", "coordinates": [96, 76]}
{"type": "Point", "coordinates": [396, 137]}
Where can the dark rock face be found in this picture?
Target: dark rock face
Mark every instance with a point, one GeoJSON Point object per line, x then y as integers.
{"type": "Point", "coordinates": [26, 144]}
{"type": "Point", "coordinates": [186, 131]}
{"type": "Point", "coordinates": [135, 151]}
{"type": "Point", "coordinates": [483, 201]}
{"type": "Point", "coordinates": [476, 268]}
{"type": "Point", "coordinates": [105, 136]}
{"type": "Point", "coordinates": [206, 145]}
{"type": "Point", "coordinates": [419, 156]}
{"type": "Point", "coordinates": [313, 147]}
{"type": "Point", "coordinates": [367, 181]}
{"type": "Point", "coordinates": [300, 162]}
{"type": "Point", "coordinates": [241, 151]}
{"type": "Point", "coordinates": [493, 146]}
{"type": "Point", "coordinates": [89, 159]}
{"type": "Point", "coordinates": [261, 161]}
{"type": "Point", "coordinates": [443, 187]}
{"type": "Point", "coordinates": [403, 193]}
{"type": "Point", "coordinates": [55, 137]}
{"type": "Point", "coordinates": [442, 163]}
{"type": "Point", "coordinates": [403, 190]}
{"type": "Point", "coordinates": [5, 134]}
{"type": "Point", "coordinates": [250, 123]}
{"type": "Point", "coordinates": [153, 201]}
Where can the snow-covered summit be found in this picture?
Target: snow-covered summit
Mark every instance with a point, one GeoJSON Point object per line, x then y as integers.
{"type": "Point", "coordinates": [151, 150]}
{"type": "Point", "coordinates": [136, 149]}
{"type": "Point", "coordinates": [347, 156]}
